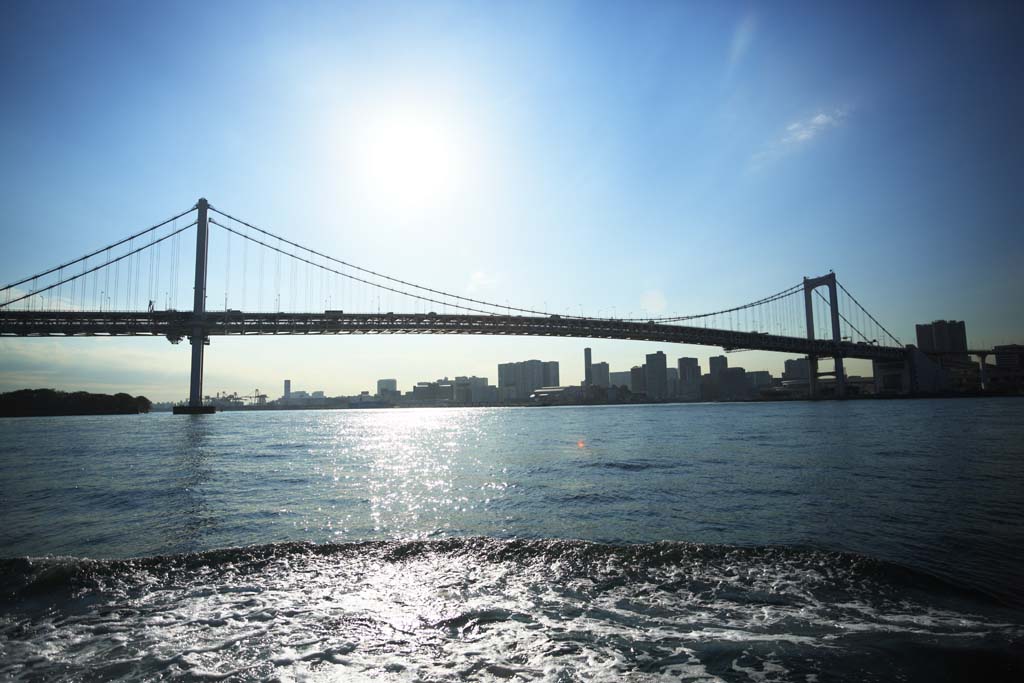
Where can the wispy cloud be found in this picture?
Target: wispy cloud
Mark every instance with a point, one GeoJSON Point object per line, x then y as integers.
{"type": "Point", "coordinates": [742, 37]}
{"type": "Point", "coordinates": [797, 135]}
{"type": "Point", "coordinates": [806, 130]}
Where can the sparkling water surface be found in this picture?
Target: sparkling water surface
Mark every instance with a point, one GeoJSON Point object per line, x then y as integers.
{"type": "Point", "coordinates": [798, 541]}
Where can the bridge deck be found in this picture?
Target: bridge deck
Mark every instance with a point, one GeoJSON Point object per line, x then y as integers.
{"type": "Point", "coordinates": [176, 325]}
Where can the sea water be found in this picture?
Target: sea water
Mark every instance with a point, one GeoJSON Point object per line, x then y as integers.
{"type": "Point", "coordinates": [861, 540]}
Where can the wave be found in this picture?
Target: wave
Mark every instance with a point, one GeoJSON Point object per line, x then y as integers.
{"type": "Point", "coordinates": [486, 608]}
{"type": "Point", "coordinates": [820, 570]}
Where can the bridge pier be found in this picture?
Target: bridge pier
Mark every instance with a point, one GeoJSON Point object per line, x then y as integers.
{"type": "Point", "coordinates": [810, 284]}
{"type": "Point", "coordinates": [198, 338]}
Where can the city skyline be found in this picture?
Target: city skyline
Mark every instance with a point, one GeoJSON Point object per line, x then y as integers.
{"type": "Point", "coordinates": [576, 175]}
{"type": "Point", "coordinates": [680, 380]}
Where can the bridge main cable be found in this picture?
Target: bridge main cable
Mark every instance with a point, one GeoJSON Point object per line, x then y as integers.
{"type": "Point", "coordinates": [90, 255]}
{"type": "Point", "coordinates": [866, 312]}
{"type": "Point", "coordinates": [789, 291]}
{"type": "Point", "coordinates": [102, 265]}
{"type": "Point", "coordinates": [348, 275]}
{"type": "Point", "coordinates": [500, 307]}
{"type": "Point", "coordinates": [381, 275]}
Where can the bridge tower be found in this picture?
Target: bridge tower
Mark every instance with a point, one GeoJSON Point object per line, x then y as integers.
{"type": "Point", "coordinates": [810, 284]}
{"type": "Point", "coordinates": [198, 338]}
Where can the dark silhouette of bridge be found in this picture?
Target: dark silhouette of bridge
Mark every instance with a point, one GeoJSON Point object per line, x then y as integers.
{"type": "Point", "coordinates": [63, 301]}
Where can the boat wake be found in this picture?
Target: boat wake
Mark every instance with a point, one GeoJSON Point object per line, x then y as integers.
{"type": "Point", "coordinates": [482, 609]}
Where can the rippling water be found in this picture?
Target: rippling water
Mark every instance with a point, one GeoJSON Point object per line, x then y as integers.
{"type": "Point", "coordinates": [805, 542]}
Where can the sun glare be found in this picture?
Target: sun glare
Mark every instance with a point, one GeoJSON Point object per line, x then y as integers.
{"type": "Point", "coordinates": [410, 158]}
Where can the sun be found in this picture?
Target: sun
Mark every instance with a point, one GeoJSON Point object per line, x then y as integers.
{"type": "Point", "coordinates": [410, 158]}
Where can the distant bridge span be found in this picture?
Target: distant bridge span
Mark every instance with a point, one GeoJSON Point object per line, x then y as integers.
{"type": "Point", "coordinates": [178, 325]}
{"type": "Point", "coordinates": [78, 298]}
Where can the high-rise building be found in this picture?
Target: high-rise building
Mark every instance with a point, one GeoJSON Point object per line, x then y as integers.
{"type": "Point", "coordinates": [638, 379]}
{"type": "Point", "coordinates": [796, 368]}
{"type": "Point", "coordinates": [516, 381]}
{"type": "Point", "coordinates": [943, 336]}
{"type": "Point", "coordinates": [549, 374]}
{"type": "Point", "coordinates": [718, 365]}
{"type": "Point", "coordinates": [599, 375]}
{"type": "Point", "coordinates": [672, 382]}
{"type": "Point", "coordinates": [588, 377]}
{"type": "Point", "coordinates": [506, 377]}
{"type": "Point", "coordinates": [732, 385]}
{"type": "Point", "coordinates": [287, 389]}
{"type": "Point", "coordinates": [655, 376]}
{"type": "Point", "coordinates": [387, 386]}
{"type": "Point", "coordinates": [689, 379]}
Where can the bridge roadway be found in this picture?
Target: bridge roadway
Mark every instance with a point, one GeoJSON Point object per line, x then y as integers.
{"type": "Point", "coordinates": [177, 325]}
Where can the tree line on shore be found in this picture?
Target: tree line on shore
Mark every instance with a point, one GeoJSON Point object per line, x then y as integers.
{"type": "Point", "coordinates": [38, 402]}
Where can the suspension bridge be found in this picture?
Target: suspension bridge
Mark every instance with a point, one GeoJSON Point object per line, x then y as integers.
{"type": "Point", "coordinates": [133, 287]}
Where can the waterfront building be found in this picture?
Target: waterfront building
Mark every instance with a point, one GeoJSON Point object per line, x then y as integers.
{"type": "Point", "coordinates": [303, 398]}
{"type": "Point", "coordinates": [638, 379]}
{"type": "Point", "coordinates": [432, 392]}
{"type": "Point", "coordinates": [620, 379]}
{"type": "Point", "coordinates": [550, 374]}
{"type": "Point", "coordinates": [943, 336]}
{"type": "Point", "coordinates": [1010, 356]}
{"type": "Point", "coordinates": [796, 369]}
{"type": "Point", "coordinates": [689, 379]}
{"type": "Point", "coordinates": [713, 384]}
{"type": "Point", "coordinates": [387, 387]}
{"type": "Point", "coordinates": [473, 391]}
{"type": "Point", "coordinates": [1007, 375]}
{"type": "Point", "coordinates": [599, 375]}
{"type": "Point", "coordinates": [672, 383]}
{"type": "Point", "coordinates": [759, 379]}
{"type": "Point", "coordinates": [733, 385]}
{"type": "Point", "coordinates": [287, 389]}
{"type": "Point", "coordinates": [655, 376]}
{"type": "Point", "coordinates": [517, 381]}
{"type": "Point", "coordinates": [588, 377]}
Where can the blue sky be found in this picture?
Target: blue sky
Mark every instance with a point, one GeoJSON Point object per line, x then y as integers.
{"type": "Point", "coordinates": [617, 158]}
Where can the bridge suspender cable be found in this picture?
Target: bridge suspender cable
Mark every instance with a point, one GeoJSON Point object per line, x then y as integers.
{"type": "Point", "coordinates": [90, 255]}
{"type": "Point", "coordinates": [843, 317]}
{"type": "Point", "coordinates": [296, 257]}
{"type": "Point", "coordinates": [405, 283]}
{"type": "Point", "coordinates": [891, 336]}
{"type": "Point", "coordinates": [501, 307]}
{"type": "Point", "coordinates": [777, 310]}
{"type": "Point", "coordinates": [102, 265]}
